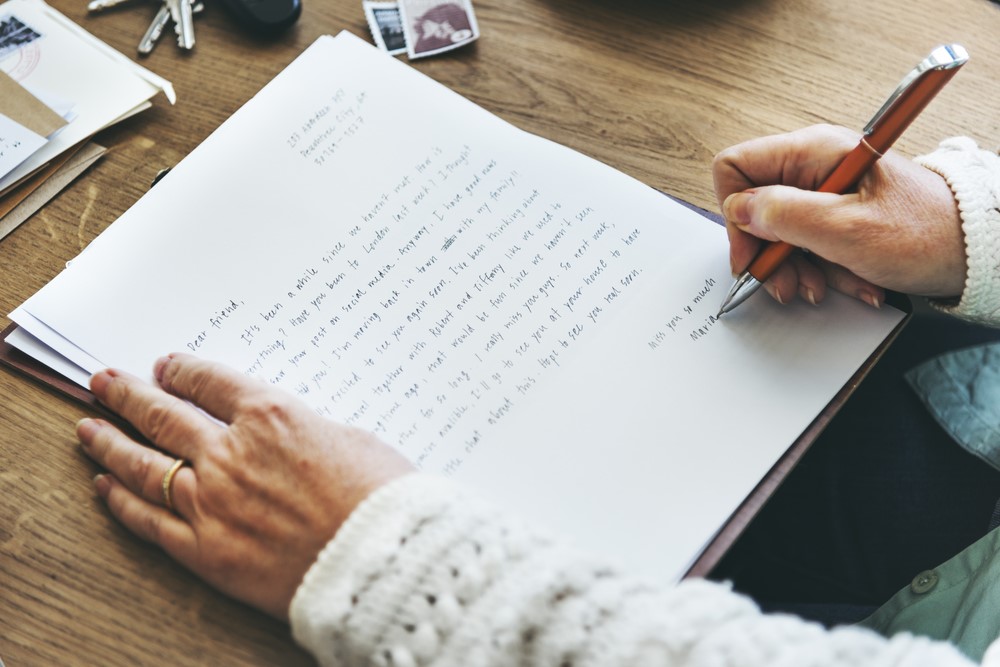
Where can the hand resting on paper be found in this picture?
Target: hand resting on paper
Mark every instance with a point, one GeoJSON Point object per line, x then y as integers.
{"type": "Point", "coordinates": [273, 482]}
{"type": "Point", "coordinates": [265, 490]}
{"type": "Point", "coordinates": [900, 230]}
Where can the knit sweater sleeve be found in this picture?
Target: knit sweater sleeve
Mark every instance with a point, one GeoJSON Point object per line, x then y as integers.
{"type": "Point", "coordinates": [425, 574]}
{"type": "Point", "coordinates": [974, 177]}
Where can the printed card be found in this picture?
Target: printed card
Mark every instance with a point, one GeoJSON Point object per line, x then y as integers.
{"type": "Point", "coordinates": [386, 26]}
{"type": "Point", "coordinates": [17, 144]}
{"type": "Point", "coordinates": [436, 26]}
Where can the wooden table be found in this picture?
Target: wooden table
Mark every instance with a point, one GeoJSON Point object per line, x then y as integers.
{"type": "Point", "coordinates": [654, 88]}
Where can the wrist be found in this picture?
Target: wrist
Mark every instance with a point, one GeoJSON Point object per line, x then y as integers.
{"type": "Point", "coordinates": [973, 175]}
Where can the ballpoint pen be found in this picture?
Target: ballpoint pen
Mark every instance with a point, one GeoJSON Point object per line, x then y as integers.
{"type": "Point", "coordinates": [916, 90]}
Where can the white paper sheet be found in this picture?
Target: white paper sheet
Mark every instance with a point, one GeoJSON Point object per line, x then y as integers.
{"type": "Point", "coordinates": [499, 307]}
{"type": "Point", "coordinates": [33, 347]}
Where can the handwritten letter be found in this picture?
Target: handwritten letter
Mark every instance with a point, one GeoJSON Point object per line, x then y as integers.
{"type": "Point", "coordinates": [498, 307]}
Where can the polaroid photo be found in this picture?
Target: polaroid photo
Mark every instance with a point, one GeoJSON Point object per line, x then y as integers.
{"type": "Point", "coordinates": [436, 26]}
{"type": "Point", "coordinates": [386, 26]}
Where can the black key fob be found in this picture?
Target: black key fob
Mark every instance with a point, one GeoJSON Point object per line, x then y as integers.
{"type": "Point", "coordinates": [265, 17]}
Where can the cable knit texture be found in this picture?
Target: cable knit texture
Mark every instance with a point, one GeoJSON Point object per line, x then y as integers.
{"type": "Point", "coordinates": [974, 176]}
{"type": "Point", "coordinates": [425, 574]}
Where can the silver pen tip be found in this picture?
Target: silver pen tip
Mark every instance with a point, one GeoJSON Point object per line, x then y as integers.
{"type": "Point", "coordinates": [742, 288]}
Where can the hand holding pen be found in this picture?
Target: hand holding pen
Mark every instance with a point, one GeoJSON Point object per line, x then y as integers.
{"type": "Point", "coordinates": [900, 221]}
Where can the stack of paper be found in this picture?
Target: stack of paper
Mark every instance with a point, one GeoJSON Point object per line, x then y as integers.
{"type": "Point", "coordinates": [58, 86]}
{"type": "Point", "coordinates": [501, 308]}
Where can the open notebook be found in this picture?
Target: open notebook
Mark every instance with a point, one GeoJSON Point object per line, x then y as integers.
{"type": "Point", "coordinates": [504, 310]}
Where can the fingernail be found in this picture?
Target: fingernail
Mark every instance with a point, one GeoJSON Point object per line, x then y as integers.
{"type": "Point", "coordinates": [158, 368]}
{"type": "Point", "coordinates": [102, 484]}
{"type": "Point", "coordinates": [777, 296]}
{"type": "Point", "coordinates": [85, 430]}
{"type": "Point", "coordinates": [810, 296]}
{"type": "Point", "coordinates": [871, 299]}
{"type": "Point", "coordinates": [100, 380]}
{"type": "Point", "coordinates": [736, 208]}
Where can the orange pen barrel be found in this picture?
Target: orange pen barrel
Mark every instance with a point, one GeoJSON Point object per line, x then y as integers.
{"type": "Point", "coordinates": [905, 110]}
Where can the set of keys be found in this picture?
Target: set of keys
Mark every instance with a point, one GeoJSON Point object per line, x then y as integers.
{"type": "Point", "coordinates": [261, 17]}
{"type": "Point", "coordinates": [179, 12]}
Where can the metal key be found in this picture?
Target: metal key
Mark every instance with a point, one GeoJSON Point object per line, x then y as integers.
{"type": "Point", "coordinates": [180, 13]}
{"type": "Point", "coordinates": [101, 5]}
{"type": "Point", "coordinates": [185, 29]}
{"type": "Point", "coordinates": [154, 30]}
{"type": "Point", "coordinates": [158, 25]}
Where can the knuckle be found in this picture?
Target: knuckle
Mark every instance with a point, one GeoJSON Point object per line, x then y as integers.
{"type": "Point", "coordinates": [161, 419]}
{"type": "Point", "coordinates": [767, 211]}
{"type": "Point", "coordinates": [149, 526]}
{"type": "Point", "coordinates": [269, 408]}
{"type": "Point", "coordinates": [195, 384]}
{"type": "Point", "coordinates": [142, 468]}
{"type": "Point", "coordinates": [188, 378]}
{"type": "Point", "coordinates": [121, 395]}
{"type": "Point", "coordinates": [721, 158]}
{"type": "Point", "coordinates": [725, 158]}
{"type": "Point", "coordinates": [238, 476]}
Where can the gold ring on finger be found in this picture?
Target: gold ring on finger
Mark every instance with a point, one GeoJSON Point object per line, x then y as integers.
{"type": "Point", "coordinates": [168, 481]}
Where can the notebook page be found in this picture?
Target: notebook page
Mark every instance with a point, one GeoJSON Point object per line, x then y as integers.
{"type": "Point", "coordinates": [499, 307]}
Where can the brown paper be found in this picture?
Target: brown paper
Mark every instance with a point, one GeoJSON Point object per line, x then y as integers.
{"type": "Point", "coordinates": [25, 109]}
{"type": "Point", "coordinates": [37, 190]}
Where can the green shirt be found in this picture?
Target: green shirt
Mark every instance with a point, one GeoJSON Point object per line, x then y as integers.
{"type": "Point", "coordinates": [958, 601]}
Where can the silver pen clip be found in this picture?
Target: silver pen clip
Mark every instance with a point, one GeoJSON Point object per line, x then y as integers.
{"type": "Point", "coordinates": [948, 56]}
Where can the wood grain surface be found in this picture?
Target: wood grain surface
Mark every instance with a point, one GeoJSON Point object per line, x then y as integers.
{"type": "Point", "coordinates": [655, 88]}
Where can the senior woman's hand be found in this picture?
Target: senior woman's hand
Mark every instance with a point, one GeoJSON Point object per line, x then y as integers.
{"type": "Point", "coordinates": [900, 230]}
{"type": "Point", "coordinates": [267, 485]}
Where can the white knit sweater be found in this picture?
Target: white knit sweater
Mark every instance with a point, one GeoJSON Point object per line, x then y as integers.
{"type": "Point", "coordinates": [423, 573]}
